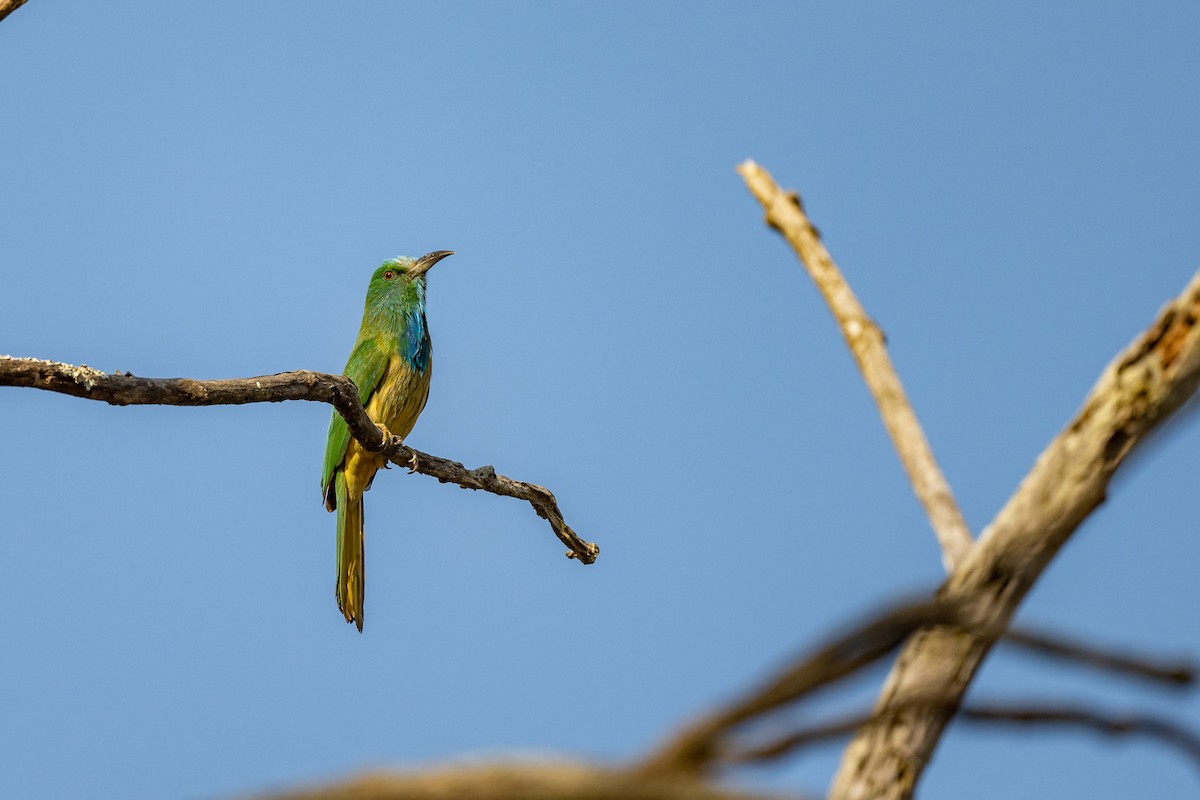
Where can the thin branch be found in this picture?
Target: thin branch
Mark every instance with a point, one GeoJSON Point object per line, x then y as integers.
{"type": "Point", "coordinates": [9, 6]}
{"type": "Point", "coordinates": [786, 214]}
{"type": "Point", "coordinates": [1137, 392]}
{"type": "Point", "coordinates": [123, 388]}
{"type": "Point", "coordinates": [1178, 673]}
{"type": "Point", "coordinates": [720, 738]}
{"type": "Point", "coordinates": [699, 746]}
{"type": "Point", "coordinates": [1031, 713]}
{"type": "Point", "coordinates": [486, 478]}
{"type": "Point", "coordinates": [1154, 727]}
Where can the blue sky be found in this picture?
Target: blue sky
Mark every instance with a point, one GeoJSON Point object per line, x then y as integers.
{"type": "Point", "coordinates": [1012, 190]}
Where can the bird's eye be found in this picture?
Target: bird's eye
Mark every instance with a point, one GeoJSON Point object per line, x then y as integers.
{"type": "Point", "coordinates": [389, 275]}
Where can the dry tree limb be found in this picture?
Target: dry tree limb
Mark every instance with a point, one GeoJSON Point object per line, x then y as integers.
{"type": "Point", "coordinates": [681, 768]}
{"type": "Point", "coordinates": [700, 747]}
{"type": "Point", "coordinates": [786, 215]}
{"type": "Point", "coordinates": [746, 732]}
{"type": "Point", "coordinates": [732, 734]}
{"type": "Point", "coordinates": [9, 6]}
{"type": "Point", "coordinates": [1148, 725]}
{"type": "Point", "coordinates": [1138, 391]}
{"type": "Point", "coordinates": [123, 389]}
{"type": "Point", "coordinates": [527, 781]}
{"type": "Point", "coordinates": [1172, 673]}
{"type": "Point", "coordinates": [1026, 713]}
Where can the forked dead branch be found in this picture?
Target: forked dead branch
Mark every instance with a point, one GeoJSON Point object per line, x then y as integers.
{"type": "Point", "coordinates": [1142, 388]}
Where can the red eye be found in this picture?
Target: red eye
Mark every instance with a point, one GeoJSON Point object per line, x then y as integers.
{"type": "Point", "coordinates": [389, 275]}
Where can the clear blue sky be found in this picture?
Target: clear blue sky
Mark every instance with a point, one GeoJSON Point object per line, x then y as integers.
{"type": "Point", "coordinates": [203, 191]}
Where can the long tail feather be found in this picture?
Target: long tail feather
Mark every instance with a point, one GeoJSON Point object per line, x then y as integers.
{"type": "Point", "coordinates": [349, 553]}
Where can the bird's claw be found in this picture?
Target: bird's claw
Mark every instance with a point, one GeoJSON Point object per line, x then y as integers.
{"type": "Point", "coordinates": [387, 439]}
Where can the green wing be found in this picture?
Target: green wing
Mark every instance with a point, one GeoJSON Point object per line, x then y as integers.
{"type": "Point", "coordinates": [366, 367]}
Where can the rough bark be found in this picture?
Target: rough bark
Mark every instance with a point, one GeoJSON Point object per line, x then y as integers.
{"type": "Point", "coordinates": [1136, 393]}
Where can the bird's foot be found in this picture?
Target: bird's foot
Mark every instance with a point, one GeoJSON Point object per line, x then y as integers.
{"type": "Point", "coordinates": [412, 464]}
{"type": "Point", "coordinates": [387, 440]}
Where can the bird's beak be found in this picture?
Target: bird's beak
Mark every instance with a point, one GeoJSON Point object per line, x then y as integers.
{"type": "Point", "coordinates": [422, 264]}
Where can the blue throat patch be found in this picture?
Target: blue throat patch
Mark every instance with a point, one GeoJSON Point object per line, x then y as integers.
{"type": "Point", "coordinates": [415, 346]}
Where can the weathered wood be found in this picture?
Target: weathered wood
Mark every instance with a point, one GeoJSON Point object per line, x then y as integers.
{"type": "Point", "coordinates": [866, 341]}
{"type": "Point", "coordinates": [1155, 375]}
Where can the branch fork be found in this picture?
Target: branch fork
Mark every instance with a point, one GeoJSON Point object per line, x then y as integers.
{"type": "Point", "coordinates": [988, 578]}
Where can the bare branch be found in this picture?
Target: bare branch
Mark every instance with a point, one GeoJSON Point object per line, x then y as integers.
{"type": "Point", "coordinates": [786, 214]}
{"type": "Point", "coordinates": [736, 735]}
{"type": "Point", "coordinates": [9, 6]}
{"type": "Point", "coordinates": [1179, 673]}
{"type": "Point", "coordinates": [1154, 727]}
{"type": "Point", "coordinates": [1138, 391]}
{"type": "Point", "coordinates": [700, 746]}
{"type": "Point", "coordinates": [1029, 713]}
{"type": "Point", "coordinates": [486, 478]}
{"type": "Point", "coordinates": [532, 781]}
{"type": "Point", "coordinates": [123, 388]}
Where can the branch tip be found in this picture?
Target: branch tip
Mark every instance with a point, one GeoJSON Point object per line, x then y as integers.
{"type": "Point", "coordinates": [785, 213]}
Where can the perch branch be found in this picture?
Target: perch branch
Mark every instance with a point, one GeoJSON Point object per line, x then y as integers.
{"type": "Point", "coordinates": [1140, 389]}
{"type": "Point", "coordinates": [123, 388]}
{"type": "Point", "coordinates": [785, 213]}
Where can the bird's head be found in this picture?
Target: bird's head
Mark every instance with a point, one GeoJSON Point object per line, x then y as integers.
{"type": "Point", "coordinates": [403, 277]}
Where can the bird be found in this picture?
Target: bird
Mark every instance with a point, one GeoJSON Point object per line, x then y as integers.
{"type": "Point", "coordinates": [390, 364]}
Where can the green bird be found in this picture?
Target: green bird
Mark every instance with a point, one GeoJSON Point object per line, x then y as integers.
{"type": "Point", "coordinates": [390, 365]}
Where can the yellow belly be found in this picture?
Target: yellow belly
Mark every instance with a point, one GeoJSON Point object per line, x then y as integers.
{"type": "Point", "coordinates": [396, 403]}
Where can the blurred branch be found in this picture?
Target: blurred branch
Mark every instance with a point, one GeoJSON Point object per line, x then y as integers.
{"type": "Point", "coordinates": [701, 745]}
{"type": "Point", "coordinates": [1178, 673]}
{"type": "Point", "coordinates": [746, 731]}
{"type": "Point", "coordinates": [719, 739]}
{"type": "Point", "coordinates": [1139, 390]}
{"type": "Point", "coordinates": [1159, 728]}
{"type": "Point", "coordinates": [785, 213]}
{"type": "Point", "coordinates": [9, 6]}
{"type": "Point", "coordinates": [123, 389]}
{"type": "Point", "coordinates": [532, 781]}
{"type": "Point", "coordinates": [1073, 716]}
